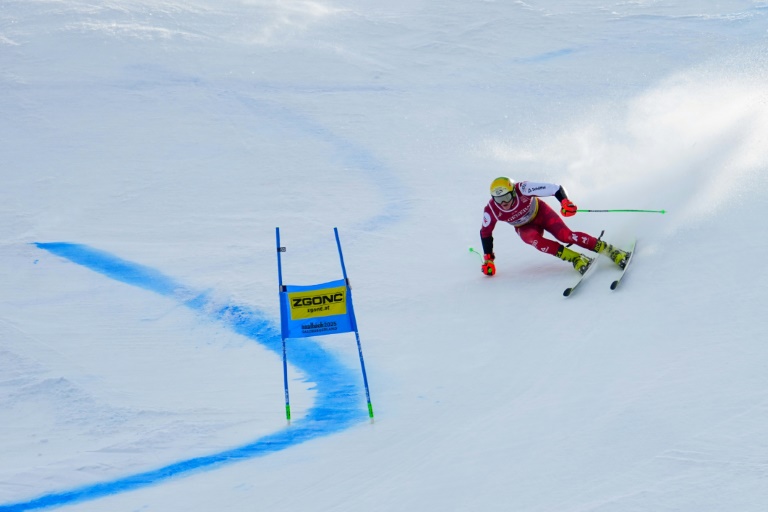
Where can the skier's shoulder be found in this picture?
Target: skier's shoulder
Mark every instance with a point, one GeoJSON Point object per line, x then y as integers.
{"type": "Point", "coordinates": [490, 217]}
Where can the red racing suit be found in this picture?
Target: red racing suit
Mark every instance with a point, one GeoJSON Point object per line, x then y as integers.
{"type": "Point", "coordinates": [530, 217]}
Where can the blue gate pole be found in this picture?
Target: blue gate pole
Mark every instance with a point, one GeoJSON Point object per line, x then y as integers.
{"type": "Point", "coordinates": [282, 325]}
{"type": "Point", "coordinates": [354, 325]}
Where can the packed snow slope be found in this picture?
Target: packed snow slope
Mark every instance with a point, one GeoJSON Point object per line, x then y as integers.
{"type": "Point", "coordinates": [151, 147]}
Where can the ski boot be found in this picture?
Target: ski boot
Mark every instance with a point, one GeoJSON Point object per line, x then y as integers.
{"type": "Point", "coordinates": [618, 256]}
{"type": "Point", "coordinates": [580, 262]}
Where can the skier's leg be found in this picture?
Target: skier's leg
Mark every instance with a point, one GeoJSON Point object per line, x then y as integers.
{"type": "Point", "coordinates": [552, 223]}
{"type": "Point", "coordinates": [532, 235]}
{"type": "Point", "coordinates": [558, 228]}
{"type": "Point", "coordinates": [555, 225]}
{"type": "Point", "coordinates": [547, 219]}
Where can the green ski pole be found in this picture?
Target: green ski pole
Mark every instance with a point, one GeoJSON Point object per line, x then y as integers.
{"type": "Point", "coordinates": [472, 249]}
{"type": "Point", "coordinates": [612, 211]}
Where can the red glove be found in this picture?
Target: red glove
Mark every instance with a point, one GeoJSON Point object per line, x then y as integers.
{"type": "Point", "coordinates": [567, 208]}
{"type": "Point", "coordinates": [489, 268]}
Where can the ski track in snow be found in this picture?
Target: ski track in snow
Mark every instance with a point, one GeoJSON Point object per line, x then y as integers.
{"type": "Point", "coordinates": [337, 404]}
{"type": "Point", "coordinates": [700, 127]}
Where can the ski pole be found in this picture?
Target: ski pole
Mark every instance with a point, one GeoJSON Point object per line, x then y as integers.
{"type": "Point", "coordinates": [636, 211]}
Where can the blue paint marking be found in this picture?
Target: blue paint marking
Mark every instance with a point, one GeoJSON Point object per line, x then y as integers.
{"type": "Point", "coordinates": [337, 403]}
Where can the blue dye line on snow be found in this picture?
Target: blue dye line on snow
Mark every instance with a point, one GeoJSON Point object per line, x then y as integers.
{"type": "Point", "coordinates": [337, 403]}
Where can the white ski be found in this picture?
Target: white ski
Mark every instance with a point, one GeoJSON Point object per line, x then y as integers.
{"type": "Point", "coordinates": [626, 266]}
{"type": "Point", "coordinates": [590, 268]}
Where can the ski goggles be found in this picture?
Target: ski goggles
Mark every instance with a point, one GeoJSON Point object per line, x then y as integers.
{"type": "Point", "coordinates": [504, 199]}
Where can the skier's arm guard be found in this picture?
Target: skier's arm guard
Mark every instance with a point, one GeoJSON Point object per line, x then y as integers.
{"type": "Point", "coordinates": [561, 194]}
{"type": "Point", "coordinates": [487, 244]}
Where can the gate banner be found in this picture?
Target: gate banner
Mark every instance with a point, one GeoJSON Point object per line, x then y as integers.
{"type": "Point", "coordinates": [316, 310]}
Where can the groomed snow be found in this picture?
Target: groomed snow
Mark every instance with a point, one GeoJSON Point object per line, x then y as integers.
{"type": "Point", "coordinates": [151, 147]}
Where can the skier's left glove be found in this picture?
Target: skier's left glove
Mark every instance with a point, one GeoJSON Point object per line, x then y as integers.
{"type": "Point", "coordinates": [567, 208]}
{"type": "Point", "coordinates": [489, 267]}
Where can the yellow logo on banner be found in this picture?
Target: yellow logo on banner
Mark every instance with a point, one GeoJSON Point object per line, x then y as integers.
{"type": "Point", "coordinates": [325, 302]}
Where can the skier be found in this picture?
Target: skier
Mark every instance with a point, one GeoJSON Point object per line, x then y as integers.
{"type": "Point", "coordinates": [519, 205]}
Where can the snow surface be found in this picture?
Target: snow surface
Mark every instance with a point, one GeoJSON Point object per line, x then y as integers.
{"type": "Point", "coordinates": [151, 147]}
